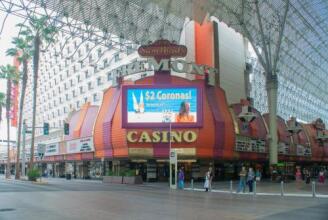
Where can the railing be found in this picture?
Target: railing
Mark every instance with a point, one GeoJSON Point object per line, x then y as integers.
{"type": "Point", "coordinates": [314, 188]}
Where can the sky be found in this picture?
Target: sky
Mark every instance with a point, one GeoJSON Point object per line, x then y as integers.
{"type": "Point", "coordinates": [7, 34]}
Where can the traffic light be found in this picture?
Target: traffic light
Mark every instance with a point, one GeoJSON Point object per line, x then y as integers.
{"type": "Point", "coordinates": [45, 128]}
{"type": "Point", "coordinates": [66, 129]}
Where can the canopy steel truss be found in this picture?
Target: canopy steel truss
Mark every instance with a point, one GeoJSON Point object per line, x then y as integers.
{"type": "Point", "coordinates": [288, 36]}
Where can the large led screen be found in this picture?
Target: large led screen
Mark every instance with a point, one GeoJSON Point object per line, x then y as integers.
{"type": "Point", "coordinates": [161, 105]}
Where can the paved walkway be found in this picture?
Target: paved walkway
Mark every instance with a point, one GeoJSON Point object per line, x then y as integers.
{"type": "Point", "coordinates": [292, 188]}
{"type": "Point", "coordinates": [79, 200]}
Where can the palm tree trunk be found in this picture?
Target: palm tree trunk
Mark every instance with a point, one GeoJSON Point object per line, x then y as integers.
{"type": "Point", "coordinates": [0, 113]}
{"type": "Point", "coordinates": [35, 86]}
{"type": "Point", "coordinates": [8, 101]}
{"type": "Point", "coordinates": [20, 120]}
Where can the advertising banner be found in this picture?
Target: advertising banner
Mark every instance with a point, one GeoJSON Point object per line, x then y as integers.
{"type": "Point", "coordinates": [52, 149]}
{"type": "Point", "coordinates": [80, 145]}
{"type": "Point", "coordinates": [145, 105]}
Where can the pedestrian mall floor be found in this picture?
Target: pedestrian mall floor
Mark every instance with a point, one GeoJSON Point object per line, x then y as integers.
{"type": "Point", "coordinates": [56, 198]}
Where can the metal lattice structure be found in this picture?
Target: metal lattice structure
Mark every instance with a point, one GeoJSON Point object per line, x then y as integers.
{"type": "Point", "coordinates": [289, 36]}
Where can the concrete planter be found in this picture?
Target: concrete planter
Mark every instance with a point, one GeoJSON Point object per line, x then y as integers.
{"type": "Point", "coordinates": [132, 180]}
{"type": "Point", "coordinates": [113, 179]}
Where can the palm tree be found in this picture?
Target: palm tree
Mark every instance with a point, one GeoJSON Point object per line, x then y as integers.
{"type": "Point", "coordinates": [40, 31]}
{"type": "Point", "coordinates": [22, 50]}
{"type": "Point", "coordinates": [2, 104]}
{"type": "Point", "coordinates": [12, 76]}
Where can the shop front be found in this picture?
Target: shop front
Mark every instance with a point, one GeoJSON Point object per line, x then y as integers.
{"type": "Point", "coordinates": [139, 122]}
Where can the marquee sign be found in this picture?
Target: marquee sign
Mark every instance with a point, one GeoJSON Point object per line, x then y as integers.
{"type": "Point", "coordinates": [80, 145]}
{"type": "Point", "coordinates": [161, 136]}
{"type": "Point", "coordinates": [162, 49]}
{"type": "Point", "coordinates": [159, 59]}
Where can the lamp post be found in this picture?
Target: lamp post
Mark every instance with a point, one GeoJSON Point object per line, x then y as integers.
{"type": "Point", "coordinates": [173, 161]}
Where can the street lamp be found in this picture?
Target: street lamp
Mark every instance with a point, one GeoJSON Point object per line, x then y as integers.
{"type": "Point", "coordinates": [173, 161]}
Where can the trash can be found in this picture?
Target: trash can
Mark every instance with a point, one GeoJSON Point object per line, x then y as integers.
{"type": "Point", "coordinates": [68, 176]}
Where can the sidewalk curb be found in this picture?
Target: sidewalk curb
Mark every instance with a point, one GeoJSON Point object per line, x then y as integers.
{"type": "Point", "coordinates": [261, 194]}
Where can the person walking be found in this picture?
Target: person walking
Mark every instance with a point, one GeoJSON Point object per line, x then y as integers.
{"type": "Point", "coordinates": [307, 176]}
{"type": "Point", "coordinates": [207, 181]}
{"type": "Point", "coordinates": [181, 178]}
{"type": "Point", "coordinates": [242, 180]}
{"type": "Point", "coordinates": [258, 175]}
{"type": "Point", "coordinates": [250, 179]}
{"type": "Point", "coordinates": [321, 177]}
{"type": "Point", "coordinates": [210, 170]}
{"type": "Point", "coordinates": [298, 174]}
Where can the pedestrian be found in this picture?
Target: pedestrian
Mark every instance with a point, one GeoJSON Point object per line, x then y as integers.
{"type": "Point", "coordinates": [210, 170]}
{"type": "Point", "coordinates": [207, 181]}
{"type": "Point", "coordinates": [242, 180]}
{"type": "Point", "coordinates": [298, 174]}
{"type": "Point", "coordinates": [321, 177]}
{"type": "Point", "coordinates": [307, 176]}
{"type": "Point", "coordinates": [181, 178]}
{"type": "Point", "coordinates": [258, 175]}
{"type": "Point", "coordinates": [250, 179]}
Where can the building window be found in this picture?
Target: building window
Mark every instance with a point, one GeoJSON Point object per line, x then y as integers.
{"type": "Point", "coordinates": [81, 90]}
{"type": "Point", "coordinates": [86, 73]}
{"type": "Point", "coordinates": [116, 57]}
{"type": "Point", "coordinates": [129, 50]}
{"type": "Point", "coordinates": [99, 81]}
{"type": "Point", "coordinates": [89, 85]}
{"type": "Point", "coordinates": [95, 97]}
{"type": "Point", "coordinates": [85, 99]}
{"type": "Point", "coordinates": [99, 52]}
{"type": "Point", "coordinates": [105, 62]}
{"type": "Point", "coordinates": [109, 76]}
{"type": "Point", "coordinates": [77, 104]}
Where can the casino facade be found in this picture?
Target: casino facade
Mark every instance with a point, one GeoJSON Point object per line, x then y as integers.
{"type": "Point", "coordinates": [183, 105]}
{"type": "Point", "coordinates": [138, 123]}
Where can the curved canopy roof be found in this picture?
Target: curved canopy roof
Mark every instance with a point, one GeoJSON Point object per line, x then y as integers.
{"type": "Point", "coordinates": [289, 36]}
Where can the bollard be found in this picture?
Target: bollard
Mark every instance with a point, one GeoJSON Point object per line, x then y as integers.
{"type": "Point", "coordinates": [192, 183]}
{"type": "Point", "coordinates": [313, 189]}
{"type": "Point", "coordinates": [254, 186]}
{"type": "Point", "coordinates": [230, 186]}
{"type": "Point", "coordinates": [282, 188]}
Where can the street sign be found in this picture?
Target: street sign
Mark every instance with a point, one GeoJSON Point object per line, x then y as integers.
{"type": "Point", "coordinates": [41, 150]}
{"type": "Point", "coordinates": [173, 168]}
{"type": "Point", "coordinates": [173, 157]}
